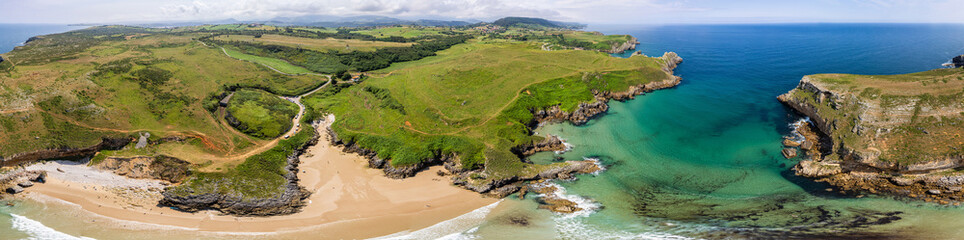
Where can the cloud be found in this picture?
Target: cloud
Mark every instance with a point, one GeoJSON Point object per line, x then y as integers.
{"type": "Point", "coordinates": [590, 11]}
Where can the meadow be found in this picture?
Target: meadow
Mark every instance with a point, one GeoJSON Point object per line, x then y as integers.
{"type": "Point", "coordinates": [277, 64]}
{"type": "Point", "coordinates": [906, 103]}
{"type": "Point", "coordinates": [481, 100]}
{"type": "Point", "coordinates": [321, 45]}
{"type": "Point", "coordinates": [260, 114]}
{"type": "Point", "coordinates": [403, 31]}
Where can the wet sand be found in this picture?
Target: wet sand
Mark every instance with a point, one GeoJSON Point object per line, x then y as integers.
{"type": "Point", "coordinates": [349, 200]}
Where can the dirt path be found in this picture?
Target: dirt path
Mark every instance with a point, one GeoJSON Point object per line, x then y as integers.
{"type": "Point", "coordinates": [295, 127]}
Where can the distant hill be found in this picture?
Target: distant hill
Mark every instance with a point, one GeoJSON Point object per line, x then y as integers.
{"type": "Point", "coordinates": [313, 20]}
{"type": "Point", "coordinates": [526, 21]}
{"type": "Point", "coordinates": [359, 21]}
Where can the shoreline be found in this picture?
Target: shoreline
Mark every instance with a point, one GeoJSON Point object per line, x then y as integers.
{"type": "Point", "coordinates": [349, 200]}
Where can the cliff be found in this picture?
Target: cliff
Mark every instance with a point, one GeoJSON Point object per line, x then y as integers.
{"type": "Point", "coordinates": [223, 195]}
{"type": "Point", "coordinates": [898, 134]}
{"type": "Point", "coordinates": [625, 46]}
{"type": "Point", "coordinates": [60, 153]}
{"type": "Point", "coordinates": [587, 111]}
{"type": "Point", "coordinates": [160, 167]}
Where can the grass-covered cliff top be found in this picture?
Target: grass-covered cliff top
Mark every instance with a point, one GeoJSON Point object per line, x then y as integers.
{"type": "Point", "coordinates": [474, 100]}
{"type": "Point", "coordinates": [71, 89]}
{"type": "Point", "coordinates": [907, 118]}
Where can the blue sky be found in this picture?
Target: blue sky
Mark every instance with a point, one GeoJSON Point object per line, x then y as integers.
{"type": "Point", "coordinates": [587, 11]}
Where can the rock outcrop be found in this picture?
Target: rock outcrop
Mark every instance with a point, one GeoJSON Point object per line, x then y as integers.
{"type": "Point", "coordinates": [15, 181]}
{"type": "Point", "coordinates": [549, 143]}
{"type": "Point", "coordinates": [291, 199]}
{"type": "Point", "coordinates": [958, 61]}
{"type": "Point", "coordinates": [860, 142]}
{"type": "Point", "coordinates": [160, 167]}
{"type": "Point", "coordinates": [586, 111]}
{"type": "Point", "coordinates": [25, 158]}
{"type": "Point", "coordinates": [625, 46]}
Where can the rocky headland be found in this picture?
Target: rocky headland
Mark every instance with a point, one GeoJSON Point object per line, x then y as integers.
{"type": "Point", "coordinates": [290, 199]}
{"type": "Point", "coordinates": [476, 180]}
{"type": "Point", "coordinates": [898, 135]}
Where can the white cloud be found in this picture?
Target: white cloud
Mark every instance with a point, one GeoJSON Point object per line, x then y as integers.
{"type": "Point", "coordinates": [591, 11]}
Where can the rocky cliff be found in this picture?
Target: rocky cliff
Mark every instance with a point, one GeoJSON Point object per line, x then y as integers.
{"type": "Point", "coordinates": [60, 153]}
{"type": "Point", "coordinates": [290, 200]}
{"type": "Point", "coordinates": [898, 134]}
{"type": "Point", "coordinates": [958, 61]}
{"type": "Point", "coordinates": [587, 111]}
{"type": "Point", "coordinates": [160, 167]}
{"type": "Point", "coordinates": [625, 46]}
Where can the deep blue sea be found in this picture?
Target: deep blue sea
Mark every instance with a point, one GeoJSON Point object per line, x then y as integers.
{"type": "Point", "coordinates": [702, 160]}
{"type": "Point", "coordinates": [13, 35]}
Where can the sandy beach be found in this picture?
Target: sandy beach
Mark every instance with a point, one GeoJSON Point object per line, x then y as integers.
{"type": "Point", "coordinates": [349, 199]}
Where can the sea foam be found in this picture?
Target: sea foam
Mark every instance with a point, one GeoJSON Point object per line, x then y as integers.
{"type": "Point", "coordinates": [38, 230]}
{"type": "Point", "coordinates": [452, 229]}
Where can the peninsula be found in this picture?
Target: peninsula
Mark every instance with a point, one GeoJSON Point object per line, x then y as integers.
{"type": "Point", "coordinates": [233, 118]}
{"type": "Point", "coordinates": [884, 134]}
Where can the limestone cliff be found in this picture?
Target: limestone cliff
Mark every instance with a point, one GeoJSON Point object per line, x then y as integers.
{"type": "Point", "coordinates": [898, 134]}
{"type": "Point", "coordinates": [625, 46]}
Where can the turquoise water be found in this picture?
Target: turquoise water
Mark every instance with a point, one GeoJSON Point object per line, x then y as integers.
{"type": "Point", "coordinates": [703, 159]}
{"type": "Point", "coordinates": [700, 160]}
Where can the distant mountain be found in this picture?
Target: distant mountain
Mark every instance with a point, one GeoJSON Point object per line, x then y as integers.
{"type": "Point", "coordinates": [526, 21]}
{"type": "Point", "coordinates": [183, 23]}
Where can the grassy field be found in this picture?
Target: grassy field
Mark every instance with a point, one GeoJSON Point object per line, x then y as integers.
{"type": "Point", "coordinates": [479, 104]}
{"type": "Point", "coordinates": [925, 112]}
{"type": "Point", "coordinates": [322, 45]}
{"type": "Point", "coordinates": [259, 176]}
{"type": "Point", "coordinates": [404, 31]}
{"type": "Point", "coordinates": [275, 63]}
{"type": "Point", "coordinates": [261, 114]}
{"type": "Point", "coordinates": [118, 86]}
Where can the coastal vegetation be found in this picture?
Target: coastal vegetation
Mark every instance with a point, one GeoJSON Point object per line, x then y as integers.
{"type": "Point", "coordinates": [334, 61]}
{"type": "Point", "coordinates": [482, 103]}
{"type": "Point", "coordinates": [211, 96]}
{"type": "Point", "coordinates": [71, 90]}
{"type": "Point", "coordinates": [260, 114]}
{"type": "Point", "coordinates": [259, 179]}
{"type": "Point", "coordinates": [321, 45]}
{"type": "Point", "coordinates": [907, 126]}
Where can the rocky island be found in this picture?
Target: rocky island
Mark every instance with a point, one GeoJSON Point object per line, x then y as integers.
{"type": "Point", "coordinates": [885, 134]}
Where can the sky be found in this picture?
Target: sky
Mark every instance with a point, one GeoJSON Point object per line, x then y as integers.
{"type": "Point", "coordinates": [585, 11]}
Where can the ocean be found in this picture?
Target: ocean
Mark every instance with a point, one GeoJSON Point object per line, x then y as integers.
{"type": "Point", "coordinates": [701, 160]}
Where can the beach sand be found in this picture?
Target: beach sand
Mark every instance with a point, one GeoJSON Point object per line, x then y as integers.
{"type": "Point", "coordinates": [349, 199]}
